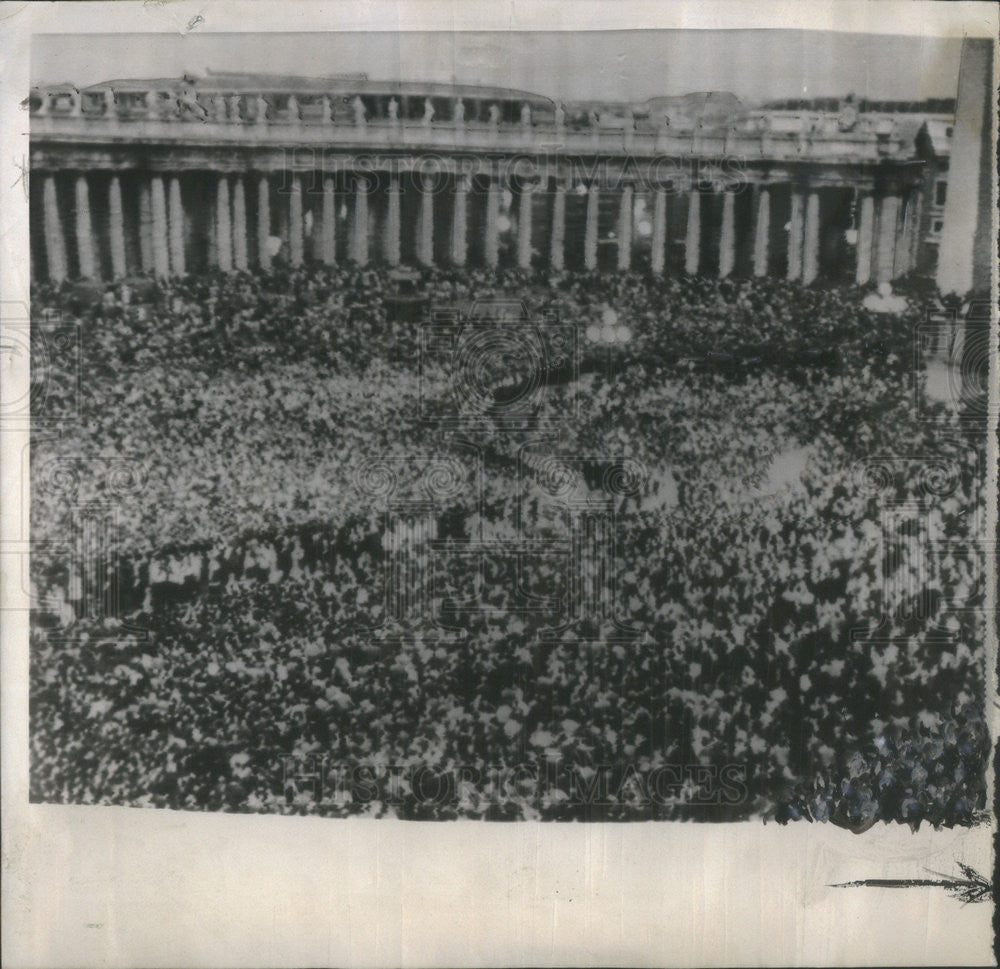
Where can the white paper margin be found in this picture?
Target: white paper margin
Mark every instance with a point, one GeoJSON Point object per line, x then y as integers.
{"type": "Point", "coordinates": [124, 887]}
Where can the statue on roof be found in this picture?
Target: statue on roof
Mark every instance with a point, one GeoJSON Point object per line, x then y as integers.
{"type": "Point", "coordinates": [260, 103]}
{"type": "Point", "coordinates": [360, 112]}
{"type": "Point", "coordinates": [187, 102]}
{"type": "Point", "coordinates": [848, 116]}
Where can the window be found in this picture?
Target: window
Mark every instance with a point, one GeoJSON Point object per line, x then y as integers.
{"type": "Point", "coordinates": [937, 226]}
{"type": "Point", "coordinates": [940, 192]}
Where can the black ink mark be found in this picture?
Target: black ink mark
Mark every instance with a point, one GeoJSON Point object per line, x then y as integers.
{"type": "Point", "coordinates": [21, 179]}
{"type": "Point", "coordinates": [972, 888]}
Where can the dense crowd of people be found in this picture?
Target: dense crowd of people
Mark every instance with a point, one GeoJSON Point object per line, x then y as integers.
{"type": "Point", "coordinates": [352, 531]}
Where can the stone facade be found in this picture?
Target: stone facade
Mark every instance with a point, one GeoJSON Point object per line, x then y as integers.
{"type": "Point", "coordinates": [236, 171]}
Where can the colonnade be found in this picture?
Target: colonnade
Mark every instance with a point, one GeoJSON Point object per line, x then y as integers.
{"type": "Point", "coordinates": [881, 243]}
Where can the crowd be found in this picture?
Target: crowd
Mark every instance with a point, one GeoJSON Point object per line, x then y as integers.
{"type": "Point", "coordinates": [745, 441]}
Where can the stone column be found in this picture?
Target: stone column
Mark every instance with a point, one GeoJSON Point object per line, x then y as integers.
{"type": "Point", "coordinates": [328, 230]}
{"type": "Point", "coordinates": [239, 225]}
{"type": "Point", "coordinates": [145, 227]}
{"type": "Point", "coordinates": [866, 234]}
{"type": "Point", "coordinates": [295, 221]}
{"type": "Point", "coordinates": [762, 233]}
{"type": "Point", "coordinates": [904, 251]}
{"type": "Point", "coordinates": [158, 202]}
{"type": "Point", "coordinates": [491, 249]}
{"type": "Point", "coordinates": [524, 226]}
{"type": "Point", "coordinates": [692, 242]}
{"type": "Point", "coordinates": [459, 221]}
{"type": "Point", "coordinates": [965, 252]}
{"type": "Point", "coordinates": [557, 255]}
{"type": "Point", "coordinates": [658, 254]}
{"type": "Point", "coordinates": [919, 204]}
{"type": "Point", "coordinates": [55, 243]}
{"type": "Point", "coordinates": [625, 229]}
{"type": "Point", "coordinates": [176, 228]}
{"type": "Point", "coordinates": [795, 238]}
{"type": "Point", "coordinates": [886, 255]}
{"type": "Point", "coordinates": [84, 231]}
{"type": "Point", "coordinates": [727, 237]}
{"type": "Point", "coordinates": [810, 255]}
{"type": "Point", "coordinates": [263, 222]}
{"type": "Point", "coordinates": [590, 233]}
{"type": "Point", "coordinates": [425, 229]}
{"type": "Point", "coordinates": [223, 226]}
{"type": "Point", "coordinates": [116, 227]}
{"type": "Point", "coordinates": [392, 223]}
{"type": "Point", "coordinates": [359, 240]}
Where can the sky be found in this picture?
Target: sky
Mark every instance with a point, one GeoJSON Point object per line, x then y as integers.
{"type": "Point", "coordinates": [568, 65]}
